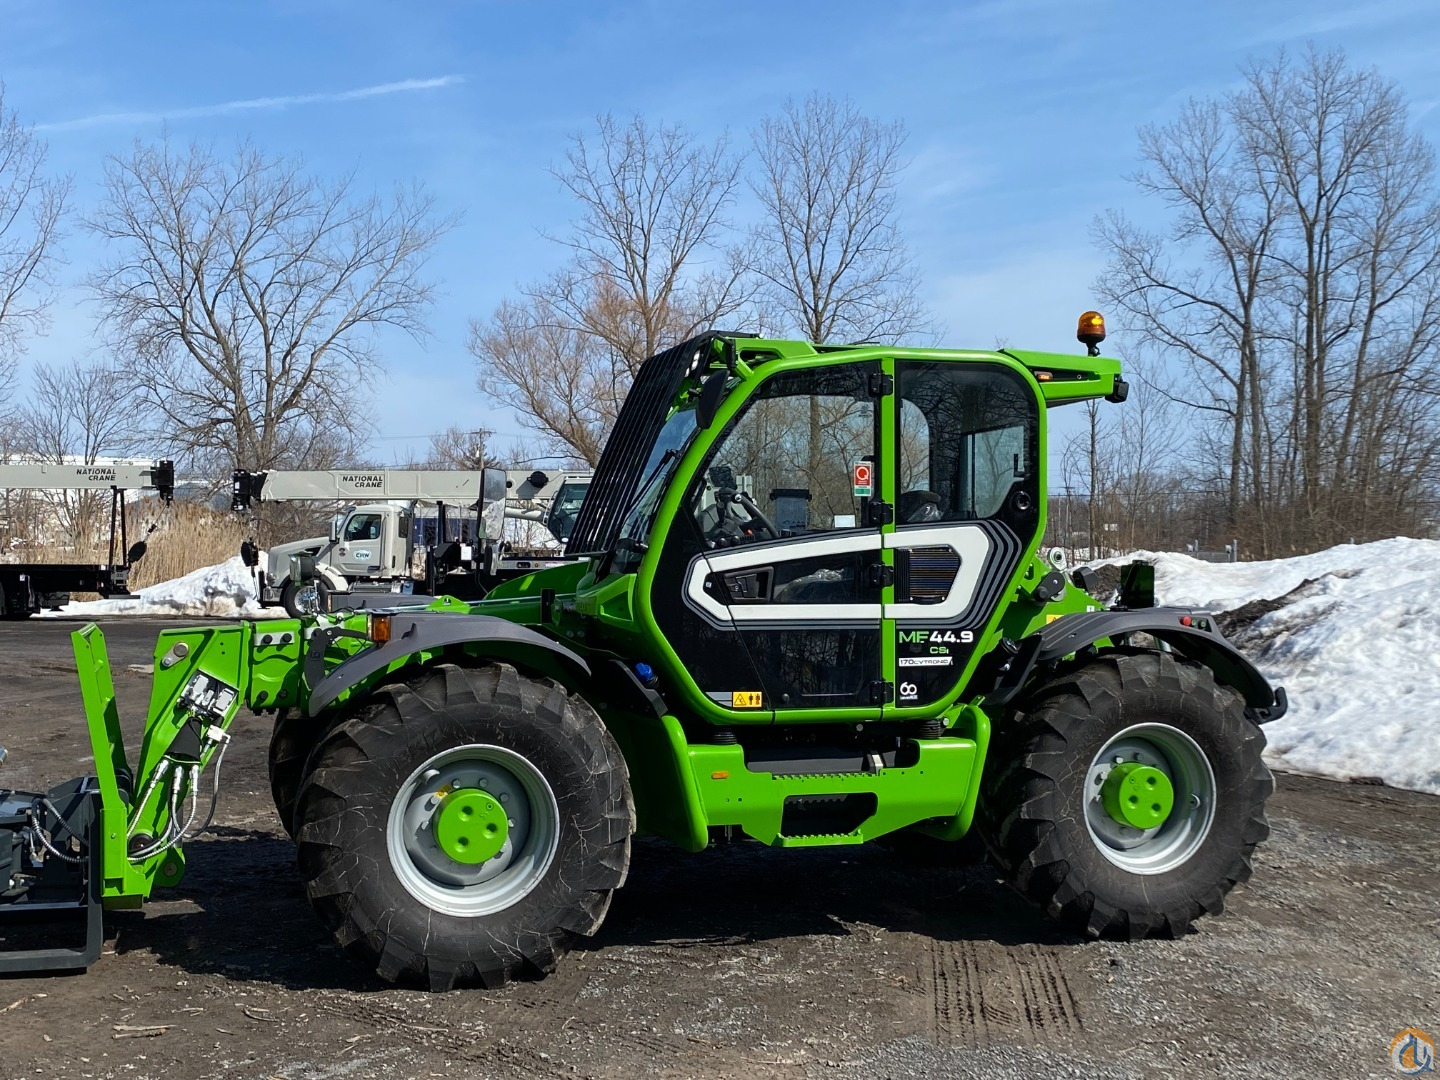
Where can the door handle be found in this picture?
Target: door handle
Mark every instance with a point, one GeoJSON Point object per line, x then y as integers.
{"type": "Point", "coordinates": [749, 585]}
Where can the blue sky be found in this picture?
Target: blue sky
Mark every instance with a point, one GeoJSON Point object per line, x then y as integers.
{"type": "Point", "coordinates": [1021, 114]}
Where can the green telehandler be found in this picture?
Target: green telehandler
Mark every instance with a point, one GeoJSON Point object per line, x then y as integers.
{"type": "Point", "coordinates": [807, 607]}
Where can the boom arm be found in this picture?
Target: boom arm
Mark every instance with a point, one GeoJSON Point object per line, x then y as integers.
{"type": "Point", "coordinates": [454, 487]}
{"type": "Point", "coordinates": [52, 475]}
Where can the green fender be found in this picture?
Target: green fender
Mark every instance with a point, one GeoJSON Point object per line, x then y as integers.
{"type": "Point", "coordinates": [419, 631]}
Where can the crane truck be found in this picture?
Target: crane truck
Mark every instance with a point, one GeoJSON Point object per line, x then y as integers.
{"type": "Point", "coordinates": [374, 549]}
{"type": "Point", "coordinates": [386, 548]}
{"type": "Point", "coordinates": [28, 587]}
{"type": "Point", "coordinates": [861, 641]}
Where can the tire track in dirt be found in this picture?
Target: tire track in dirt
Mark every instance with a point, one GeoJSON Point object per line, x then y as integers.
{"type": "Point", "coordinates": [981, 992]}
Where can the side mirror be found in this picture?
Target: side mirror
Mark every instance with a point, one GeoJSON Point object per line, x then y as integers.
{"type": "Point", "coordinates": [712, 393]}
{"type": "Point", "coordinates": [336, 524]}
{"type": "Point", "coordinates": [137, 552]}
{"type": "Point", "coordinates": [493, 485]}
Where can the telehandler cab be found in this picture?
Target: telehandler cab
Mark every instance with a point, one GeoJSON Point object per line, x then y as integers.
{"type": "Point", "coordinates": [809, 609]}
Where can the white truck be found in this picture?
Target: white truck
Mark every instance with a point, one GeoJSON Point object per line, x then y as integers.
{"type": "Point", "coordinates": [550, 497]}
{"type": "Point", "coordinates": [29, 587]}
{"type": "Point", "coordinates": [382, 548]}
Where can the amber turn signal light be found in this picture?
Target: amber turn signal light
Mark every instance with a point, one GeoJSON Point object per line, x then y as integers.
{"type": "Point", "coordinates": [379, 629]}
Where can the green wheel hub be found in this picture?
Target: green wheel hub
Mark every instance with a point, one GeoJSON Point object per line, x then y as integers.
{"type": "Point", "coordinates": [1137, 795]}
{"type": "Point", "coordinates": [1149, 798]}
{"type": "Point", "coordinates": [471, 826]}
{"type": "Point", "coordinates": [472, 830]}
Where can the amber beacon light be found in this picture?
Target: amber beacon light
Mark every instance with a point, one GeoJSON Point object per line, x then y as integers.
{"type": "Point", "coordinates": [1091, 331]}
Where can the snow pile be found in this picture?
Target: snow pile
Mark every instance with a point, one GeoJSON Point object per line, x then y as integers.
{"type": "Point", "coordinates": [224, 591]}
{"type": "Point", "coordinates": [1353, 634]}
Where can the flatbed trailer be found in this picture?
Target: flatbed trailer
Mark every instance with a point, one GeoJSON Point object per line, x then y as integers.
{"type": "Point", "coordinates": [27, 588]}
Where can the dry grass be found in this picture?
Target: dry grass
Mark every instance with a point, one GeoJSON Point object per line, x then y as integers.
{"type": "Point", "coordinates": [187, 537]}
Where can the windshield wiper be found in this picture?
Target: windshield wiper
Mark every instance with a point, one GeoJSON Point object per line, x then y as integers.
{"type": "Point", "coordinates": [668, 455]}
{"type": "Point", "coordinates": [630, 543]}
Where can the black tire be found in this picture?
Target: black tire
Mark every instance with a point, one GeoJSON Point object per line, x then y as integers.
{"type": "Point", "coordinates": [359, 771]}
{"type": "Point", "coordinates": [290, 597]}
{"type": "Point", "coordinates": [292, 739]}
{"type": "Point", "coordinates": [7, 614]}
{"type": "Point", "coordinates": [1032, 811]}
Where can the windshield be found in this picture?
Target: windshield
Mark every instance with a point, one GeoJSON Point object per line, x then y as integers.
{"type": "Point", "coordinates": [561, 518]}
{"type": "Point", "coordinates": [669, 446]}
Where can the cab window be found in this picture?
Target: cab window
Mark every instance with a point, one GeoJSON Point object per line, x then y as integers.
{"type": "Point", "coordinates": [968, 444]}
{"type": "Point", "coordinates": [362, 527]}
{"type": "Point", "coordinates": [786, 466]}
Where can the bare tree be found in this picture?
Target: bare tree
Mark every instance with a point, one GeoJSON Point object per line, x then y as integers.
{"type": "Point", "coordinates": [79, 412]}
{"type": "Point", "coordinates": [245, 296]}
{"type": "Point", "coordinates": [829, 252]}
{"type": "Point", "coordinates": [1299, 284]}
{"type": "Point", "coordinates": [1208, 311]}
{"type": "Point", "coordinates": [454, 448]}
{"type": "Point", "coordinates": [829, 249]}
{"type": "Point", "coordinates": [32, 205]}
{"type": "Point", "coordinates": [1123, 480]}
{"type": "Point", "coordinates": [647, 268]}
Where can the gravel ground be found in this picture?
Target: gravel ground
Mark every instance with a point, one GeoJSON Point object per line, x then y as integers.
{"type": "Point", "coordinates": [740, 961]}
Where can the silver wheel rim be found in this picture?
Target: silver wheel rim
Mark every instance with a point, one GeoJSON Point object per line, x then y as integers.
{"type": "Point", "coordinates": [1178, 837]}
{"type": "Point", "coordinates": [307, 599]}
{"type": "Point", "coordinates": [454, 888]}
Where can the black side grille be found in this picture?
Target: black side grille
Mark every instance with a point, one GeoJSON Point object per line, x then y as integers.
{"type": "Point", "coordinates": [932, 572]}
{"type": "Point", "coordinates": [623, 459]}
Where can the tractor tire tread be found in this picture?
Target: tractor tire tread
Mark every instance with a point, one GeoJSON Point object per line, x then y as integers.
{"type": "Point", "coordinates": [426, 710]}
{"type": "Point", "coordinates": [1022, 807]}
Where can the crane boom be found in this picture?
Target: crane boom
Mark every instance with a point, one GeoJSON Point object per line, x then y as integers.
{"type": "Point", "coordinates": [54, 475]}
{"type": "Point", "coordinates": [27, 587]}
{"type": "Point", "coordinates": [456, 487]}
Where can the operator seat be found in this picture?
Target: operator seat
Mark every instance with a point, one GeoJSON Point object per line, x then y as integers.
{"type": "Point", "coordinates": [919, 505]}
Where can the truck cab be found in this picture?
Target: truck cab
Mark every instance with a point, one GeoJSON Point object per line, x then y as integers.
{"type": "Point", "coordinates": [383, 548]}
{"type": "Point", "coordinates": [373, 542]}
{"type": "Point", "coordinates": [366, 545]}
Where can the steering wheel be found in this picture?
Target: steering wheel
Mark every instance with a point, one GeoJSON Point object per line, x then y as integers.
{"type": "Point", "coordinates": [757, 516]}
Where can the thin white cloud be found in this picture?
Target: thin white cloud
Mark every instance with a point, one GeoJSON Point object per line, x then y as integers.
{"type": "Point", "coordinates": [1349, 16]}
{"type": "Point", "coordinates": [132, 119]}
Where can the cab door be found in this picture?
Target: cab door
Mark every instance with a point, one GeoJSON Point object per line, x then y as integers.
{"type": "Point", "coordinates": [361, 550]}
{"type": "Point", "coordinates": [969, 483]}
{"type": "Point", "coordinates": [776, 554]}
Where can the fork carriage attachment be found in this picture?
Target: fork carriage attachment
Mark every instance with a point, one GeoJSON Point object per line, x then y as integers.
{"type": "Point", "coordinates": [105, 841]}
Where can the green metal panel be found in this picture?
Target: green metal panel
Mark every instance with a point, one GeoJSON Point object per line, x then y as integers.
{"type": "Point", "coordinates": [890, 493]}
{"type": "Point", "coordinates": [1073, 378]}
{"type": "Point", "coordinates": [971, 722]}
{"type": "Point", "coordinates": [935, 787]}
{"type": "Point", "coordinates": [97, 692]}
